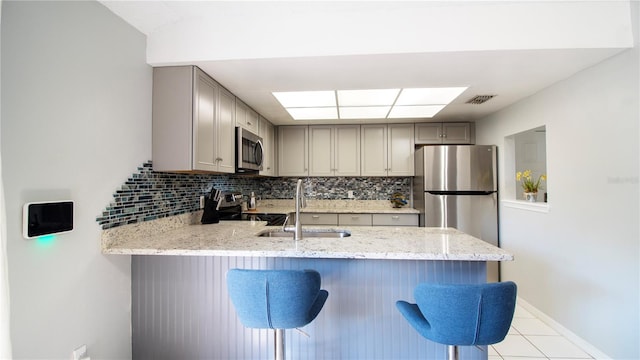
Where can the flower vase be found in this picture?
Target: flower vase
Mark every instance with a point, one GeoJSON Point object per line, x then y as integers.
{"type": "Point", "coordinates": [531, 196]}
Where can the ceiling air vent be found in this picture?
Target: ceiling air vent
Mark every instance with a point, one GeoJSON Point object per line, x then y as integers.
{"type": "Point", "coordinates": [480, 99]}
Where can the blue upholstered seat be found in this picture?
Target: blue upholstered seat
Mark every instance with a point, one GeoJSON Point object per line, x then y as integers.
{"type": "Point", "coordinates": [276, 299]}
{"type": "Point", "coordinates": [477, 314]}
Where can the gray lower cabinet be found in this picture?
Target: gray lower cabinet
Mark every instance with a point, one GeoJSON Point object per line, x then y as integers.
{"type": "Point", "coordinates": [355, 219]}
{"type": "Point", "coordinates": [395, 219]}
{"type": "Point", "coordinates": [319, 219]}
{"type": "Point", "coordinates": [359, 219]}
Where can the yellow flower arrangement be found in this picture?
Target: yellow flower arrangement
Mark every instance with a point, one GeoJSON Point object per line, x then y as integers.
{"type": "Point", "coordinates": [398, 200]}
{"type": "Point", "coordinates": [528, 184]}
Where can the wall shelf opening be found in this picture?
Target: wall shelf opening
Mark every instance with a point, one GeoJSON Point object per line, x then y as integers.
{"type": "Point", "coordinates": [526, 151]}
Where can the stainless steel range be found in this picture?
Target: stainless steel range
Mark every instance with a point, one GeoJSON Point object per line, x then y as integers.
{"type": "Point", "coordinates": [230, 209]}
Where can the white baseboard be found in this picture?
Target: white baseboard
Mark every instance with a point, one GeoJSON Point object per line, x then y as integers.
{"type": "Point", "coordinates": [580, 342]}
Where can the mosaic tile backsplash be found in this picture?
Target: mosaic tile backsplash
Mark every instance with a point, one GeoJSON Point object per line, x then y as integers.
{"type": "Point", "coordinates": [149, 195]}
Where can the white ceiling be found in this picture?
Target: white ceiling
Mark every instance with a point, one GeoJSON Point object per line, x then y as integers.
{"type": "Point", "coordinates": [504, 48]}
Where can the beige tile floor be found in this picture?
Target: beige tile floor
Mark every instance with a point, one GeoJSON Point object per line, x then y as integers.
{"type": "Point", "coordinates": [532, 339]}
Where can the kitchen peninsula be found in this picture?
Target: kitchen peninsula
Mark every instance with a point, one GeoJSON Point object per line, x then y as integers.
{"type": "Point", "coordinates": [181, 308]}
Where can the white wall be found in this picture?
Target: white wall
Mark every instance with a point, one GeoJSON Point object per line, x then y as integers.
{"type": "Point", "coordinates": [579, 263]}
{"type": "Point", "coordinates": [76, 122]}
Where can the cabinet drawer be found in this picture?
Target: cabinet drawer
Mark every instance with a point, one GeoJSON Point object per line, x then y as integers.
{"type": "Point", "coordinates": [354, 219]}
{"type": "Point", "coordinates": [395, 219]}
{"type": "Point", "coordinates": [319, 219]}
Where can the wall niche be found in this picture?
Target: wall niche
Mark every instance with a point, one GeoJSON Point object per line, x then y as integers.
{"type": "Point", "coordinates": [525, 150]}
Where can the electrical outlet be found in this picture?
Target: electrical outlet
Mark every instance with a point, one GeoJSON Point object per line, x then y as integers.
{"type": "Point", "coordinates": [350, 194]}
{"type": "Point", "coordinates": [202, 202]}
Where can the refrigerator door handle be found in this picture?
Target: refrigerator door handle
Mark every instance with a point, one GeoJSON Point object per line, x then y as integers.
{"type": "Point", "coordinates": [461, 192]}
{"type": "Point", "coordinates": [443, 211]}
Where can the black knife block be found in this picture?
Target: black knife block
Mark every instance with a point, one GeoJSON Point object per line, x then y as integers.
{"type": "Point", "coordinates": [210, 214]}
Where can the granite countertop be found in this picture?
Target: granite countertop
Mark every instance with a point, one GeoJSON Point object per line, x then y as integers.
{"type": "Point", "coordinates": [182, 235]}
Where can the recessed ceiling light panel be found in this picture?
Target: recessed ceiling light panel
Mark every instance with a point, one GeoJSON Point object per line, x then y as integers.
{"type": "Point", "coordinates": [418, 111]}
{"type": "Point", "coordinates": [364, 112]}
{"type": "Point", "coordinates": [429, 96]}
{"type": "Point", "coordinates": [374, 97]}
{"type": "Point", "coordinates": [367, 104]}
{"type": "Point", "coordinates": [320, 113]}
{"type": "Point", "coordinates": [300, 99]}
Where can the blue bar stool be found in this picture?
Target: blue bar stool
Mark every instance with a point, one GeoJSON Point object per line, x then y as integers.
{"type": "Point", "coordinates": [276, 299]}
{"type": "Point", "coordinates": [458, 315]}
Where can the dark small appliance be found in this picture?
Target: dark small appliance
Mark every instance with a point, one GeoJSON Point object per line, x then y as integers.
{"type": "Point", "coordinates": [229, 206]}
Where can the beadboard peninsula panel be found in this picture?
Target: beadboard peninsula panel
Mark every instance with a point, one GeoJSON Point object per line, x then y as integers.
{"type": "Point", "coordinates": [181, 309]}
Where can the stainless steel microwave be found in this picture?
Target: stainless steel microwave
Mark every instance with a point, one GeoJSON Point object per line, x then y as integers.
{"type": "Point", "coordinates": [249, 151]}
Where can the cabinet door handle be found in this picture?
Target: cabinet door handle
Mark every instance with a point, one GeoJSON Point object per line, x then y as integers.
{"type": "Point", "coordinates": [395, 217]}
{"type": "Point", "coordinates": [355, 217]}
{"type": "Point", "coordinates": [315, 216]}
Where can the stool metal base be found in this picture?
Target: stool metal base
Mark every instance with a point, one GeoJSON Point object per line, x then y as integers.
{"type": "Point", "coordinates": [453, 352]}
{"type": "Point", "coordinates": [279, 344]}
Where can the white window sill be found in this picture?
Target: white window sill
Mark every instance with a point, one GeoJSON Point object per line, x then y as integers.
{"type": "Point", "coordinates": [527, 205]}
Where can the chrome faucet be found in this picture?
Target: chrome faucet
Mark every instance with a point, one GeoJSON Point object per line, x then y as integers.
{"type": "Point", "coordinates": [286, 221]}
{"type": "Point", "coordinates": [297, 230]}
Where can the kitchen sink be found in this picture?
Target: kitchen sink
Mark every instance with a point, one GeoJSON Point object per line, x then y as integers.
{"type": "Point", "coordinates": [308, 233]}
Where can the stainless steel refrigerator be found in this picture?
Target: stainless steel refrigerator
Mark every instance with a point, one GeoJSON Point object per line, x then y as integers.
{"type": "Point", "coordinates": [457, 186]}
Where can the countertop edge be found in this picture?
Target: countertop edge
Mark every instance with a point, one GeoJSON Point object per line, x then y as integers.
{"type": "Point", "coordinates": [309, 255]}
{"type": "Point", "coordinates": [183, 236]}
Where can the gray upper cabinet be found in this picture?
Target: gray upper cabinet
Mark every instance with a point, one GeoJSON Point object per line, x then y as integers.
{"type": "Point", "coordinates": [374, 150]}
{"type": "Point", "coordinates": [444, 133]}
{"type": "Point", "coordinates": [266, 131]}
{"type": "Point", "coordinates": [246, 117]}
{"type": "Point", "coordinates": [400, 148]}
{"type": "Point", "coordinates": [226, 130]}
{"type": "Point", "coordinates": [387, 150]}
{"type": "Point", "coordinates": [293, 151]}
{"type": "Point", "coordinates": [193, 122]}
{"type": "Point", "coordinates": [321, 153]}
{"type": "Point", "coordinates": [346, 150]}
{"type": "Point", "coordinates": [334, 150]}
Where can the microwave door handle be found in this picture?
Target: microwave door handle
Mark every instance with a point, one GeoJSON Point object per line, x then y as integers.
{"type": "Point", "coordinates": [258, 153]}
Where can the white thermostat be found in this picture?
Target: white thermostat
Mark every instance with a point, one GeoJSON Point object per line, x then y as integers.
{"type": "Point", "coordinates": [45, 218]}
